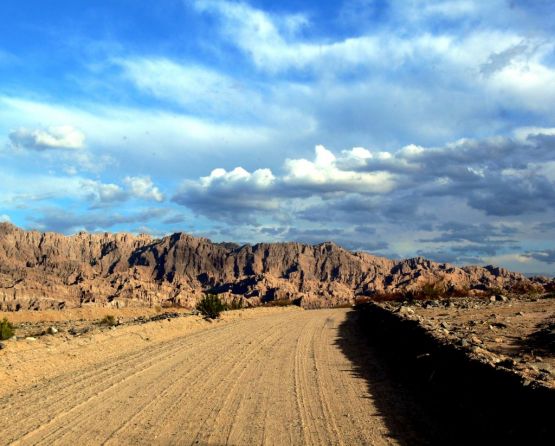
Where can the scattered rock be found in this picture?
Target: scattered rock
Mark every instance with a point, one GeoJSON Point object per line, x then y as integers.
{"type": "Point", "coordinates": [164, 316]}
{"type": "Point", "coordinates": [475, 340]}
{"type": "Point", "coordinates": [52, 330]}
{"type": "Point", "coordinates": [2, 346]}
{"type": "Point", "coordinates": [498, 325]}
{"type": "Point", "coordinates": [477, 350]}
{"type": "Point", "coordinates": [404, 310]}
{"type": "Point", "coordinates": [30, 338]}
{"type": "Point", "coordinates": [541, 367]}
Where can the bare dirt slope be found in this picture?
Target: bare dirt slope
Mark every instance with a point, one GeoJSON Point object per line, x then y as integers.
{"type": "Point", "coordinates": [281, 377]}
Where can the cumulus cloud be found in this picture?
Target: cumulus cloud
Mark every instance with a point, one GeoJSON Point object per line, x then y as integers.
{"type": "Point", "coordinates": [4, 218]}
{"type": "Point", "coordinates": [227, 195]}
{"type": "Point", "coordinates": [417, 189]}
{"type": "Point", "coordinates": [107, 194]}
{"type": "Point", "coordinates": [101, 193]}
{"type": "Point", "coordinates": [324, 174]}
{"type": "Point", "coordinates": [60, 137]}
{"type": "Point", "coordinates": [143, 187]}
{"type": "Point", "coordinates": [494, 176]}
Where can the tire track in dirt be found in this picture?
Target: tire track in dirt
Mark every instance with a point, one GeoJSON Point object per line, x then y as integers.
{"type": "Point", "coordinates": [275, 379]}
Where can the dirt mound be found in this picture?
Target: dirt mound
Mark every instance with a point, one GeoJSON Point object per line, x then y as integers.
{"type": "Point", "coordinates": [51, 271]}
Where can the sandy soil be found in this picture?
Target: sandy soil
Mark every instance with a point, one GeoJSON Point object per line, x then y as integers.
{"type": "Point", "coordinates": [266, 376]}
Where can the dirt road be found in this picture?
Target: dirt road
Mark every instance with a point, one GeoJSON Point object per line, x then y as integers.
{"type": "Point", "coordinates": [282, 378]}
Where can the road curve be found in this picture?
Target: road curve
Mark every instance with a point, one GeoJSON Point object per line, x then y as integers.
{"type": "Point", "coordinates": [284, 379]}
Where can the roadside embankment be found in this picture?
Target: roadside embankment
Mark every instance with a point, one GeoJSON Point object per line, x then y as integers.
{"type": "Point", "coordinates": [477, 398]}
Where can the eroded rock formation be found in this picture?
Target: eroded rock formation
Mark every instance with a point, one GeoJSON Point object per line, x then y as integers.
{"type": "Point", "coordinates": [49, 270]}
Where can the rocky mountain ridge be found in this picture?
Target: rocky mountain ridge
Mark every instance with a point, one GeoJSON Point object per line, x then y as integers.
{"type": "Point", "coordinates": [53, 271]}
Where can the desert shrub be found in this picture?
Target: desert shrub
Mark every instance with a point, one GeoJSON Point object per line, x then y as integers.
{"type": "Point", "coordinates": [235, 304]}
{"type": "Point", "coordinates": [522, 287]}
{"type": "Point", "coordinates": [7, 330]}
{"type": "Point", "coordinates": [549, 287]}
{"type": "Point", "coordinates": [109, 320]}
{"type": "Point", "coordinates": [457, 292]}
{"type": "Point", "coordinates": [210, 306]}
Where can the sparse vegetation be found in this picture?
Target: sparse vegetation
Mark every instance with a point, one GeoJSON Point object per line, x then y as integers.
{"type": "Point", "coordinates": [235, 304]}
{"type": "Point", "coordinates": [7, 329]}
{"type": "Point", "coordinates": [522, 287]}
{"type": "Point", "coordinates": [210, 306]}
{"type": "Point", "coordinates": [109, 320]}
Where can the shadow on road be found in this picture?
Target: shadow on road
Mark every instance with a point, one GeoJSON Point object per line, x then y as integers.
{"type": "Point", "coordinates": [408, 420]}
{"type": "Point", "coordinates": [430, 394]}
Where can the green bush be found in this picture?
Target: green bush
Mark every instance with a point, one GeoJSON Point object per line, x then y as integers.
{"type": "Point", "coordinates": [210, 306]}
{"type": "Point", "coordinates": [109, 320]}
{"type": "Point", "coordinates": [7, 330]}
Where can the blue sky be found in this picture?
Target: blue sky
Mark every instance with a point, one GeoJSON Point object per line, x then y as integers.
{"type": "Point", "coordinates": [397, 127]}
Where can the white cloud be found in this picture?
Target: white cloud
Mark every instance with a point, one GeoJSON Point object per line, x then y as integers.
{"type": "Point", "coordinates": [451, 8]}
{"type": "Point", "coordinates": [58, 137]}
{"type": "Point", "coordinates": [260, 179]}
{"type": "Point", "coordinates": [229, 195]}
{"type": "Point", "coordinates": [123, 132]}
{"type": "Point", "coordinates": [523, 133]}
{"type": "Point", "coordinates": [143, 187]}
{"type": "Point", "coordinates": [4, 218]}
{"type": "Point", "coordinates": [102, 193]}
{"type": "Point", "coordinates": [262, 37]}
{"type": "Point", "coordinates": [323, 173]}
{"type": "Point", "coordinates": [187, 84]}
